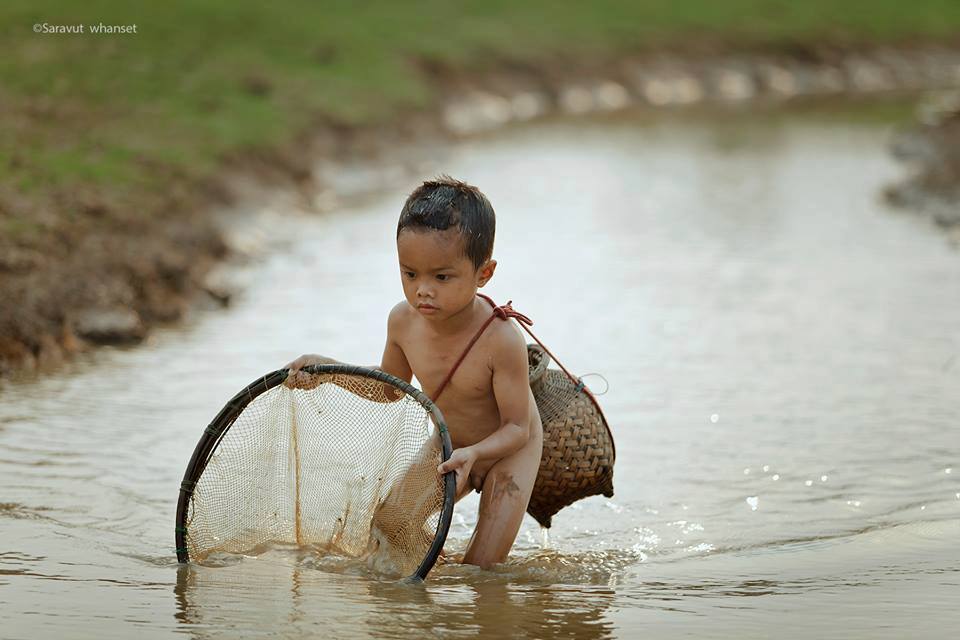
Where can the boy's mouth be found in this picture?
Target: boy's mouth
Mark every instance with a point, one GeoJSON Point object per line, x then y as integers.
{"type": "Point", "coordinates": [426, 307]}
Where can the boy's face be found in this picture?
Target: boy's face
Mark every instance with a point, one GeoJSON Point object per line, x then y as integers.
{"type": "Point", "coordinates": [438, 278]}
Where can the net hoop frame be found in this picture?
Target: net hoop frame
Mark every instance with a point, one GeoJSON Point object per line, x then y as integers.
{"type": "Point", "coordinates": [214, 432]}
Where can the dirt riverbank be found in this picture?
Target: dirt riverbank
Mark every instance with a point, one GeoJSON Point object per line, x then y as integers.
{"type": "Point", "coordinates": [97, 267]}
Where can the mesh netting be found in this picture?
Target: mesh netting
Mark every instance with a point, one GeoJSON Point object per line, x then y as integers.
{"type": "Point", "coordinates": [348, 466]}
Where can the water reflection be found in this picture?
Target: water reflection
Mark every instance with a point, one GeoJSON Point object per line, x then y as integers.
{"type": "Point", "coordinates": [292, 599]}
{"type": "Point", "coordinates": [753, 307]}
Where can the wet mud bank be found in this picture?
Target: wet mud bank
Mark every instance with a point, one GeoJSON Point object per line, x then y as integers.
{"type": "Point", "coordinates": [930, 150]}
{"type": "Point", "coordinates": [103, 269]}
{"type": "Point", "coordinates": [97, 271]}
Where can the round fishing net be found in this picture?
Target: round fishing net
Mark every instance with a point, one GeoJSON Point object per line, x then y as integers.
{"type": "Point", "coordinates": [346, 464]}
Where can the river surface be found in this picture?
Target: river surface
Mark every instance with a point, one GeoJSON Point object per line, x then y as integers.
{"type": "Point", "coordinates": [783, 359]}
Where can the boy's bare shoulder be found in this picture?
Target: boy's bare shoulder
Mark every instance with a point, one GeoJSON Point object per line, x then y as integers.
{"type": "Point", "coordinates": [399, 316]}
{"type": "Point", "coordinates": [506, 341]}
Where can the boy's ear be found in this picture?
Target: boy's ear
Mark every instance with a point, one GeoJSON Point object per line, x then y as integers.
{"type": "Point", "coordinates": [486, 272]}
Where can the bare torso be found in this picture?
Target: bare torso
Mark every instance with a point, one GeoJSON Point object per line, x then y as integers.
{"type": "Point", "coordinates": [467, 402]}
{"type": "Point", "coordinates": [490, 411]}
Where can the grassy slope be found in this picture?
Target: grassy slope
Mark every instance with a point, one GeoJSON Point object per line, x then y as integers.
{"type": "Point", "coordinates": [203, 78]}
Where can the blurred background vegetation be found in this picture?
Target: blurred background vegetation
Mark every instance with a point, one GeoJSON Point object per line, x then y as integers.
{"type": "Point", "coordinates": [205, 78]}
{"type": "Point", "coordinates": [113, 147]}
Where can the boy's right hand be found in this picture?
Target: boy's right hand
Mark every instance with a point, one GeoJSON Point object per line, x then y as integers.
{"type": "Point", "coordinates": [461, 461]}
{"type": "Point", "coordinates": [298, 379]}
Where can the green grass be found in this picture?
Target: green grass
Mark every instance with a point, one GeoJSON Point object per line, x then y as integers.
{"type": "Point", "coordinates": [203, 78]}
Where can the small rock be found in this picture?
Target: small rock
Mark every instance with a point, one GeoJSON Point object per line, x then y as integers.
{"type": "Point", "coordinates": [867, 76]}
{"type": "Point", "coordinates": [576, 100]}
{"type": "Point", "coordinates": [945, 213]}
{"type": "Point", "coordinates": [217, 285]}
{"type": "Point", "coordinates": [109, 326]}
{"type": "Point", "coordinates": [779, 81]}
{"type": "Point", "coordinates": [671, 88]}
{"type": "Point", "coordinates": [528, 105]}
{"type": "Point", "coordinates": [611, 95]}
{"type": "Point", "coordinates": [953, 235]}
{"type": "Point", "coordinates": [734, 85]}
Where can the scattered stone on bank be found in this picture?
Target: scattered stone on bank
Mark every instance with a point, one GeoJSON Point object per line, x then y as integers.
{"type": "Point", "coordinates": [109, 326]}
{"type": "Point", "coordinates": [218, 285]}
{"type": "Point", "coordinates": [136, 263]}
{"type": "Point", "coordinates": [931, 152]}
{"type": "Point", "coordinates": [674, 80]}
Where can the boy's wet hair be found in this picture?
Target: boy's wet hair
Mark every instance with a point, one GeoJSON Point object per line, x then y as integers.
{"type": "Point", "coordinates": [443, 203]}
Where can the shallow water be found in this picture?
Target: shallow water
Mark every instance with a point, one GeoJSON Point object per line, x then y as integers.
{"type": "Point", "coordinates": [783, 355]}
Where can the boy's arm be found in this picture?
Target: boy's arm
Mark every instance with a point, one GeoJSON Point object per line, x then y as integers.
{"type": "Point", "coordinates": [511, 388]}
{"type": "Point", "coordinates": [394, 360]}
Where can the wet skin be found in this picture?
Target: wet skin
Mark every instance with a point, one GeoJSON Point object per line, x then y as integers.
{"type": "Point", "coordinates": [488, 405]}
{"type": "Point", "coordinates": [490, 411]}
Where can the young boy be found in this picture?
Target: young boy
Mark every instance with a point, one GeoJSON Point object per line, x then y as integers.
{"type": "Point", "coordinates": [445, 247]}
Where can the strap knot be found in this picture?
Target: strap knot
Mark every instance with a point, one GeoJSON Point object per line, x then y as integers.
{"type": "Point", "coordinates": [506, 311]}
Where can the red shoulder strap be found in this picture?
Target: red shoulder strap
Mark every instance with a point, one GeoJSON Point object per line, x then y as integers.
{"type": "Point", "coordinates": [504, 313]}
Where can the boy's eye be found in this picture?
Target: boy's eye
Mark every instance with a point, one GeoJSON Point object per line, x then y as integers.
{"type": "Point", "coordinates": [442, 276]}
{"type": "Point", "coordinates": [409, 274]}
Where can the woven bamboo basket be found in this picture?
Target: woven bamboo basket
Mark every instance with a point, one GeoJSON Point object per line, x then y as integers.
{"type": "Point", "coordinates": [578, 449]}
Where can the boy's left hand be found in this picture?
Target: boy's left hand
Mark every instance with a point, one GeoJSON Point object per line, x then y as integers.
{"type": "Point", "coordinates": [461, 461]}
{"type": "Point", "coordinates": [297, 379]}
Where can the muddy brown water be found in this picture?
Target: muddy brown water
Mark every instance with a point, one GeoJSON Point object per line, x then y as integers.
{"type": "Point", "coordinates": [783, 355]}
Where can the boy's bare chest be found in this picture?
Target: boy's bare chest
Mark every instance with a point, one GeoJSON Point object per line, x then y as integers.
{"type": "Point", "coordinates": [432, 359]}
{"type": "Point", "coordinates": [468, 402]}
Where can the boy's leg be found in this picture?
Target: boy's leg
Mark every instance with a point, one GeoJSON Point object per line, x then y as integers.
{"type": "Point", "coordinates": [503, 501]}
